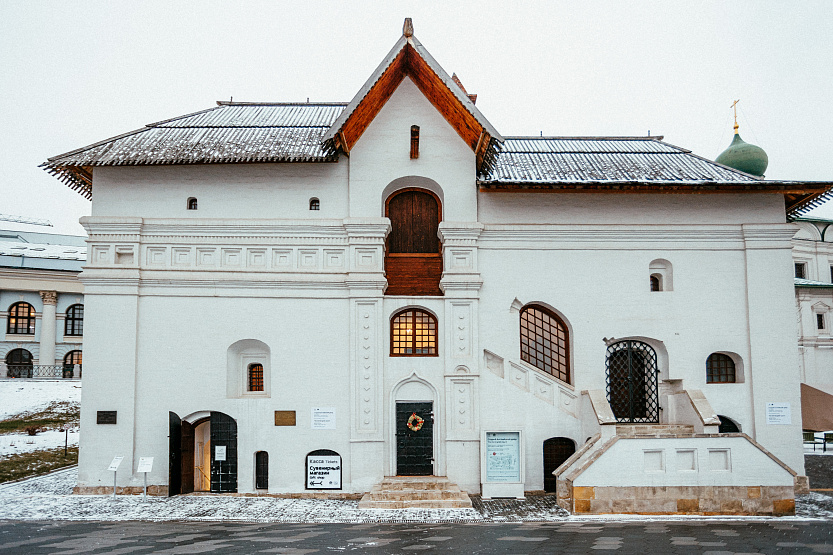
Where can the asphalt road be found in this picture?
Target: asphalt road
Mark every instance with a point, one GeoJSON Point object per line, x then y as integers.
{"type": "Point", "coordinates": [713, 537]}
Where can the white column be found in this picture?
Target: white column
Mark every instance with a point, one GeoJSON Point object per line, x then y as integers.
{"type": "Point", "coordinates": [47, 330]}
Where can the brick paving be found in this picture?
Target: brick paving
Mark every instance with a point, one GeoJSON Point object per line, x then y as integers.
{"type": "Point", "coordinates": [713, 538]}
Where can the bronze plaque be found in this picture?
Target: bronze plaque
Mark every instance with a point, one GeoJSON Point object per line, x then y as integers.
{"type": "Point", "coordinates": [284, 418]}
{"type": "Point", "coordinates": [105, 417]}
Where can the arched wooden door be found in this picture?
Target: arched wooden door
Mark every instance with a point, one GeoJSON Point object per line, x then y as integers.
{"type": "Point", "coordinates": [556, 451]}
{"type": "Point", "coordinates": [413, 261]}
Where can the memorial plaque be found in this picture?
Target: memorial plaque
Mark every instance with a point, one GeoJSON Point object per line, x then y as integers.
{"type": "Point", "coordinates": [105, 417]}
{"type": "Point", "coordinates": [284, 418]}
{"type": "Point", "coordinates": [323, 470]}
{"type": "Point", "coordinates": [503, 457]}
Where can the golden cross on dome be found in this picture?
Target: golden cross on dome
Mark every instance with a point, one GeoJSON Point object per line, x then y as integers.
{"type": "Point", "coordinates": [734, 106]}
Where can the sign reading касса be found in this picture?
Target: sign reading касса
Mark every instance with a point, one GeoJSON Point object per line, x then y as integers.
{"type": "Point", "coordinates": [323, 470]}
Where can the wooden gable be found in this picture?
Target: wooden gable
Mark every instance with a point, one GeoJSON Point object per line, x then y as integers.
{"type": "Point", "coordinates": [409, 58]}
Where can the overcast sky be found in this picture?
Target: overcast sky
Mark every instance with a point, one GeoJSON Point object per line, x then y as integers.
{"type": "Point", "coordinates": [74, 73]}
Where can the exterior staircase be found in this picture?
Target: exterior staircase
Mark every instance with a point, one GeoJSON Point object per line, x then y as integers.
{"type": "Point", "coordinates": [415, 492]}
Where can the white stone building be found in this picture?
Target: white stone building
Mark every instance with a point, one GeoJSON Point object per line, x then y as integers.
{"type": "Point", "coordinates": [392, 286]}
{"type": "Point", "coordinates": [41, 304]}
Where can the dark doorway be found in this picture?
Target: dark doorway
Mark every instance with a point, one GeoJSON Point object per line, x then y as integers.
{"type": "Point", "coordinates": [556, 451]}
{"type": "Point", "coordinates": [413, 258]}
{"type": "Point", "coordinates": [727, 425]}
{"type": "Point", "coordinates": [414, 443]}
{"type": "Point", "coordinates": [187, 444]}
{"type": "Point", "coordinates": [19, 364]}
{"type": "Point", "coordinates": [223, 453]}
{"type": "Point", "coordinates": [261, 470]}
{"type": "Point", "coordinates": [174, 454]}
{"type": "Point", "coordinates": [632, 382]}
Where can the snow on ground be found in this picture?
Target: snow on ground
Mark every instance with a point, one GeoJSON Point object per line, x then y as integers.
{"type": "Point", "coordinates": [49, 498]}
{"type": "Point", "coordinates": [27, 396]}
{"type": "Point", "coordinates": [11, 444]}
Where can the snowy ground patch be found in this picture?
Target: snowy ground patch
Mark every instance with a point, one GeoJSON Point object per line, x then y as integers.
{"type": "Point", "coordinates": [20, 397]}
{"type": "Point", "coordinates": [49, 498]}
{"type": "Point", "coordinates": [11, 444]}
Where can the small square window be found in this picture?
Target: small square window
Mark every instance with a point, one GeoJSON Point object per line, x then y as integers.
{"type": "Point", "coordinates": [801, 270]}
{"type": "Point", "coordinates": [820, 321]}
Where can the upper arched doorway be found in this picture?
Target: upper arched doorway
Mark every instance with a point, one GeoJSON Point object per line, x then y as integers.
{"type": "Point", "coordinates": [413, 258]}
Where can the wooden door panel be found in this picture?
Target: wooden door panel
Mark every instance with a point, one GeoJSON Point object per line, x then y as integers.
{"type": "Point", "coordinates": [413, 275]}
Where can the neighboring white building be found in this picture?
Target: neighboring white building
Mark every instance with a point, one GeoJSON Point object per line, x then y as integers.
{"type": "Point", "coordinates": [813, 259]}
{"type": "Point", "coordinates": [390, 286]}
{"type": "Point", "coordinates": [41, 304]}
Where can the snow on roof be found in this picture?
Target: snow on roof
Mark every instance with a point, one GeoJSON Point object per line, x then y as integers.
{"type": "Point", "coordinates": [19, 249]}
{"type": "Point", "coordinates": [811, 283]}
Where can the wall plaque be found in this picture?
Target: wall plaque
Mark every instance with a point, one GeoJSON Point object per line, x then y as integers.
{"type": "Point", "coordinates": [284, 418]}
{"type": "Point", "coordinates": [105, 417]}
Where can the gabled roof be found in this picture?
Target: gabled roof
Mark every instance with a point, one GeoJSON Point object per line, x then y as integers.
{"type": "Point", "coordinates": [228, 133]}
{"type": "Point", "coordinates": [409, 58]}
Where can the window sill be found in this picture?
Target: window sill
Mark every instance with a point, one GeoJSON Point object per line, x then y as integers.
{"type": "Point", "coordinates": [19, 337]}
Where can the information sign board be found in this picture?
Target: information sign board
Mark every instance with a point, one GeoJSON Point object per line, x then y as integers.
{"type": "Point", "coordinates": [219, 452]}
{"type": "Point", "coordinates": [503, 456]}
{"type": "Point", "coordinates": [323, 471]}
{"type": "Point", "coordinates": [145, 464]}
{"type": "Point", "coordinates": [323, 418]}
{"type": "Point", "coordinates": [115, 464]}
{"type": "Point", "coordinates": [778, 413]}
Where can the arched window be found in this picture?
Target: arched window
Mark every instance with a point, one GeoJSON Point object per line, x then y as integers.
{"type": "Point", "coordinates": [662, 274]}
{"type": "Point", "coordinates": [720, 368]}
{"type": "Point", "coordinates": [261, 470]}
{"type": "Point", "coordinates": [192, 203]}
{"type": "Point", "coordinates": [70, 360]}
{"type": "Point", "coordinates": [727, 425]}
{"type": "Point", "coordinates": [314, 204]}
{"type": "Point", "coordinates": [413, 332]}
{"type": "Point", "coordinates": [656, 282]}
{"type": "Point", "coordinates": [256, 377]}
{"type": "Point", "coordinates": [74, 322]}
{"type": "Point", "coordinates": [545, 342]}
{"type": "Point", "coordinates": [19, 364]}
{"type": "Point", "coordinates": [21, 319]}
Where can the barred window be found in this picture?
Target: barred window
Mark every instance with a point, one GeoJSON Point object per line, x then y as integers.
{"type": "Point", "coordinates": [192, 203]}
{"type": "Point", "coordinates": [255, 377]}
{"type": "Point", "coordinates": [413, 332]}
{"type": "Point", "coordinates": [21, 319]}
{"type": "Point", "coordinates": [545, 341]}
{"type": "Point", "coordinates": [74, 322]}
{"type": "Point", "coordinates": [720, 368]}
{"type": "Point", "coordinates": [314, 204]}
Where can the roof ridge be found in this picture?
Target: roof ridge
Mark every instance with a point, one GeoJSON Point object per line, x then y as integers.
{"type": "Point", "coordinates": [657, 138]}
{"type": "Point", "coordinates": [230, 103]}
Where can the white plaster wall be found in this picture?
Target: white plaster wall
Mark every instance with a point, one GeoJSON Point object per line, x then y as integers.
{"type": "Point", "coordinates": [643, 209]}
{"type": "Point", "coordinates": [222, 190]}
{"type": "Point", "coordinates": [748, 465]}
{"type": "Point", "coordinates": [382, 154]}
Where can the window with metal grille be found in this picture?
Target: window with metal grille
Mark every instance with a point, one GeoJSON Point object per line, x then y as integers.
{"type": "Point", "coordinates": [72, 358]}
{"type": "Point", "coordinates": [192, 203]}
{"type": "Point", "coordinates": [801, 270]}
{"type": "Point", "coordinates": [261, 470]}
{"type": "Point", "coordinates": [720, 368]}
{"type": "Point", "coordinates": [545, 341]}
{"type": "Point", "coordinates": [314, 204]}
{"type": "Point", "coordinates": [21, 319]}
{"type": "Point", "coordinates": [413, 332]}
{"type": "Point", "coordinates": [255, 377]}
{"type": "Point", "coordinates": [74, 322]}
{"type": "Point", "coordinates": [19, 364]}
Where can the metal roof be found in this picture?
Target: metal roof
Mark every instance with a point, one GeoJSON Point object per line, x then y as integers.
{"type": "Point", "coordinates": [42, 251]}
{"type": "Point", "coordinates": [811, 283]}
{"type": "Point", "coordinates": [228, 133]}
{"type": "Point", "coordinates": [544, 160]}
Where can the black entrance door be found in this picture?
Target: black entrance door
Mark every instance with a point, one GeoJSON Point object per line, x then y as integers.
{"type": "Point", "coordinates": [414, 443]}
{"type": "Point", "coordinates": [556, 451]}
{"type": "Point", "coordinates": [174, 454]}
{"type": "Point", "coordinates": [223, 453]}
{"type": "Point", "coordinates": [632, 382]}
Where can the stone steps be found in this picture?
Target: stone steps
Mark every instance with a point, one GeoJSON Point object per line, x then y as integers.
{"type": "Point", "coordinates": [654, 430]}
{"type": "Point", "coordinates": [415, 492]}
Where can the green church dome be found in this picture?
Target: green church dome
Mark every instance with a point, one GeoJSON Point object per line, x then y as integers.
{"type": "Point", "coordinates": [744, 157]}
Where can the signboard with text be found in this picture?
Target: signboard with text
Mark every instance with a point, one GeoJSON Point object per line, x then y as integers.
{"type": "Point", "coordinates": [778, 413]}
{"type": "Point", "coordinates": [503, 456]}
{"type": "Point", "coordinates": [323, 418]}
{"type": "Point", "coordinates": [323, 470]}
